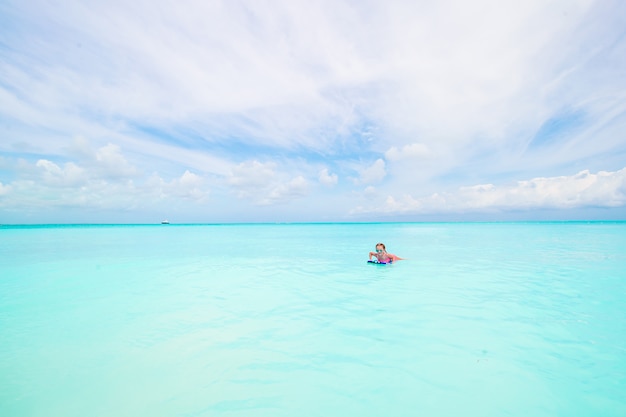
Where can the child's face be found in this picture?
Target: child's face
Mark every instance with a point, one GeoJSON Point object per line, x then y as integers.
{"type": "Point", "coordinates": [379, 249]}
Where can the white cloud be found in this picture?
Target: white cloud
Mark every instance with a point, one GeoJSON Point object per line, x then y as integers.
{"type": "Point", "coordinates": [370, 192]}
{"type": "Point", "coordinates": [282, 193]}
{"type": "Point", "coordinates": [105, 163]}
{"type": "Point", "coordinates": [205, 87]}
{"type": "Point", "coordinates": [261, 183]}
{"type": "Point", "coordinates": [279, 75]}
{"type": "Point", "coordinates": [413, 150]}
{"type": "Point", "coordinates": [374, 173]}
{"type": "Point", "coordinates": [70, 175]}
{"type": "Point", "coordinates": [604, 189]}
{"type": "Point", "coordinates": [104, 180]}
{"type": "Point", "coordinates": [189, 179]}
{"type": "Point", "coordinates": [112, 163]}
{"type": "Point", "coordinates": [4, 189]}
{"type": "Point", "coordinates": [326, 178]}
{"type": "Point", "coordinates": [249, 176]}
{"type": "Point", "coordinates": [188, 186]}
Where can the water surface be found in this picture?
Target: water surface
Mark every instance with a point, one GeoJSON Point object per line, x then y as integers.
{"type": "Point", "coordinates": [483, 319]}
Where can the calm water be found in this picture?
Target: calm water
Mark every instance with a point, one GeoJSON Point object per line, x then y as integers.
{"type": "Point", "coordinates": [512, 319]}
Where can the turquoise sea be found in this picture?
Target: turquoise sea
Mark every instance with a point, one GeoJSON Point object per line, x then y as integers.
{"type": "Point", "coordinates": [482, 319]}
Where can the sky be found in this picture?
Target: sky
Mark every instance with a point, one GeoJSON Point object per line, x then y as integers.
{"type": "Point", "coordinates": [288, 111]}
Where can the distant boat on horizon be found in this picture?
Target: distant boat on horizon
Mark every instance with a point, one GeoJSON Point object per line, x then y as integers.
{"type": "Point", "coordinates": [165, 222]}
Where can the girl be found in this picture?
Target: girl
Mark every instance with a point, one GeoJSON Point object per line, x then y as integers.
{"type": "Point", "coordinates": [383, 256]}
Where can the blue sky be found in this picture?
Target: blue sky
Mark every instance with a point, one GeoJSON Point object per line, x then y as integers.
{"type": "Point", "coordinates": [228, 111]}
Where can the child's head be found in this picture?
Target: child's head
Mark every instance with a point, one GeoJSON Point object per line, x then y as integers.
{"type": "Point", "coordinates": [380, 246]}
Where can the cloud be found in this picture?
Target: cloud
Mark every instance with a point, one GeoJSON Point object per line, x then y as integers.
{"type": "Point", "coordinates": [188, 186]}
{"type": "Point", "coordinates": [215, 87]}
{"type": "Point", "coordinates": [70, 175]}
{"type": "Point", "coordinates": [4, 189]}
{"type": "Point", "coordinates": [280, 76]}
{"type": "Point", "coordinates": [102, 179]}
{"type": "Point", "coordinates": [112, 163]}
{"type": "Point", "coordinates": [374, 173]}
{"type": "Point", "coordinates": [283, 193]}
{"type": "Point", "coordinates": [370, 192]}
{"type": "Point", "coordinates": [261, 183]}
{"type": "Point", "coordinates": [413, 150]}
{"type": "Point", "coordinates": [326, 178]}
{"type": "Point", "coordinates": [249, 176]}
{"type": "Point", "coordinates": [604, 189]}
{"type": "Point", "coordinates": [104, 163]}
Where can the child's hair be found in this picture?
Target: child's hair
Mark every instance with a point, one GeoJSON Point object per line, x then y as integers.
{"type": "Point", "coordinates": [381, 244]}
